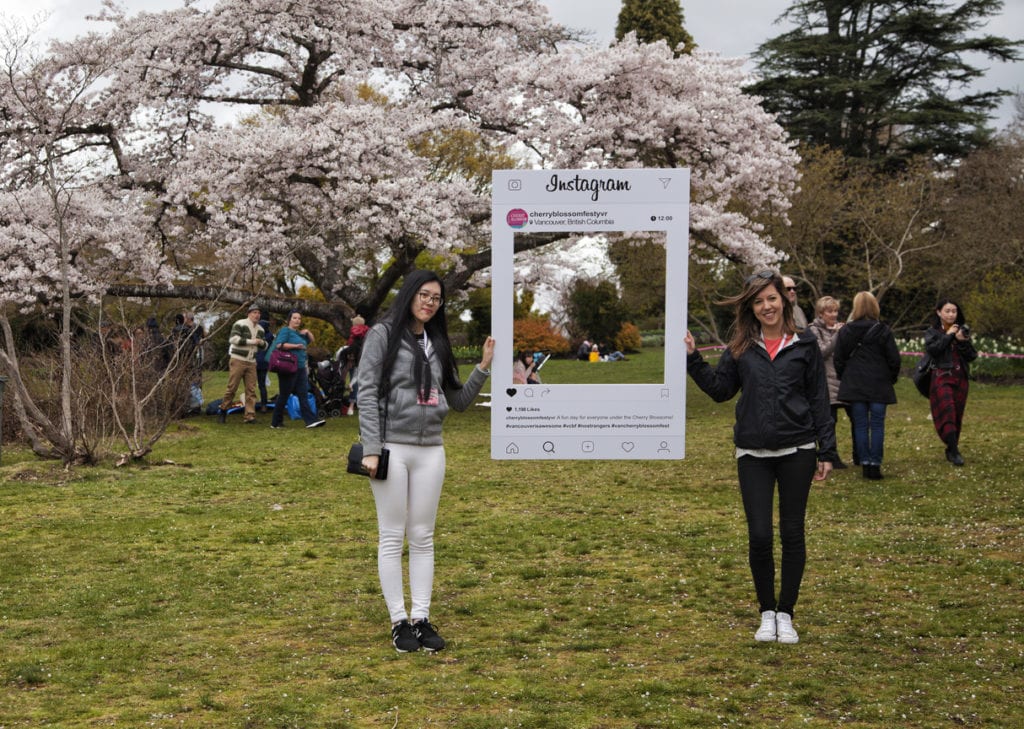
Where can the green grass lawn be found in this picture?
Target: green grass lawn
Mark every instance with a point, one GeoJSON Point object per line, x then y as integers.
{"type": "Point", "coordinates": [231, 582]}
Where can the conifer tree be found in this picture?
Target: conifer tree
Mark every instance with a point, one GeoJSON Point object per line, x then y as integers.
{"type": "Point", "coordinates": [655, 20]}
{"type": "Point", "coordinates": [883, 79]}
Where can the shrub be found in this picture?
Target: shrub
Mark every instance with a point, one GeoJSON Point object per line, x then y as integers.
{"type": "Point", "coordinates": [535, 334]}
{"type": "Point", "coordinates": [652, 339]}
{"type": "Point", "coordinates": [628, 338]}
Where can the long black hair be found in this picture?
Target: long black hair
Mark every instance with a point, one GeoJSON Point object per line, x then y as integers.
{"type": "Point", "coordinates": [399, 317]}
{"type": "Point", "coordinates": [936, 321]}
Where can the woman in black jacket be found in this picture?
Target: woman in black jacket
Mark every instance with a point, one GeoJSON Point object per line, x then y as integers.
{"type": "Point", "coordinates": [783, 434]}
{"type": "Point", "coordinates": [867, 361]}
{"type": "Point", "coordinates": [949, 345]}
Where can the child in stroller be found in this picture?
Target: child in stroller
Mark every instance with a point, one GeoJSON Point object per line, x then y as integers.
{"type": "Point", "coordinates": [331, 379]}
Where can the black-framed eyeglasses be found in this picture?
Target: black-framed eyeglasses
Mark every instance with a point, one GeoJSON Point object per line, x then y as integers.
{"type": "Point", "coordinates": [428, 298]}
{"type": "Point", "coordinates": [765, 275]}
{"type": "Point", "coordinates": [791, 288]}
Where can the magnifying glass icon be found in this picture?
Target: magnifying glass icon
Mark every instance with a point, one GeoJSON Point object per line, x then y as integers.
{"type": "Point", "coordinates": [548, 446]}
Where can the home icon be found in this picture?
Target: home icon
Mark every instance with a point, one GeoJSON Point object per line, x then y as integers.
{"type": "Point", "coordinates": [512, 449]}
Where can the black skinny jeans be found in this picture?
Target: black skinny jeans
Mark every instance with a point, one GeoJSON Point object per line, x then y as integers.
{"type": "Point", "coordinates": [758, 477]}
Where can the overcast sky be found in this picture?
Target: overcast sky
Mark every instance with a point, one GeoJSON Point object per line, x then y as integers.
{"type": "Point", "coordinates": [738, 27]}
{"type": "Point", "coordinates": [730, 27]}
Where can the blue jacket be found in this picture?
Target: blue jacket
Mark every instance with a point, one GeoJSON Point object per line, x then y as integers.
{"type": "Point", "coordinates": [290, 336]}
{"type": "Point", "coordinates": [263, 356]}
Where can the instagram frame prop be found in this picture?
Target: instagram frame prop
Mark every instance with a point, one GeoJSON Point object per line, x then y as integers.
{"type": "Point", "coordinates": [578, 420]}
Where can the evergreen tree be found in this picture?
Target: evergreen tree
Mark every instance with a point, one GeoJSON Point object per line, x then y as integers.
{"type": "Point", "coordinates": [654, 20]}
{"type": "Point", "coordinates": [883, 78]}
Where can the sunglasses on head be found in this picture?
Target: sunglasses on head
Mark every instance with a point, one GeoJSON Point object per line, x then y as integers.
{"type": "Point", "coordinates": [765, 275]}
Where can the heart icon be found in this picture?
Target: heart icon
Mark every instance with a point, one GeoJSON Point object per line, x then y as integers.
{"type": "Point", "coordinates": [511, 392]}
{"type": "Point", "coordinates": [508, 408]}
{"type": "Point", "coordinates": [628, 446]}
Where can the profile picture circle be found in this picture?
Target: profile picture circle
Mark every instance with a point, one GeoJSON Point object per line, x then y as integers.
{"type": "Point", "coordinates": [516, 218]}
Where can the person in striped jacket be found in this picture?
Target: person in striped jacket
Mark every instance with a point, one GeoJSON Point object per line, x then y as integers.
{"type": "Point", "coordinates": [246, 339]}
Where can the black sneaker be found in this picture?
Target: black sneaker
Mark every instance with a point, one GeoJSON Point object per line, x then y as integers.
{"type": "Point", "coordinates": [404, 638]}
{"type": "Point", "coordinates": [427, 635]}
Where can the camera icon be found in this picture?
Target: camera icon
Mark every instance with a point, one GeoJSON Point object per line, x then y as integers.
{"type": "Point", "coordinates": [515, 185]}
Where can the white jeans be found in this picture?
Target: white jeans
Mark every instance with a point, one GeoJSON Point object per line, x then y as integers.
{"type": "Point", "coordinates": [407, 508]}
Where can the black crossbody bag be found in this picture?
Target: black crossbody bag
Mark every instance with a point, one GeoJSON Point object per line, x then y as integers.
{"type": "Point", "coordinates": [355, 455]}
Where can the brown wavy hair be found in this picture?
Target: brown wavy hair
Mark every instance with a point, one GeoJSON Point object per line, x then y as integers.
{"type": "Point", "coordinates": [745, 331]}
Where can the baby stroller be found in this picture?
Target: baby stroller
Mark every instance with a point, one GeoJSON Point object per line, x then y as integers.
{"type": "Point", "coordinates": [330, 379]}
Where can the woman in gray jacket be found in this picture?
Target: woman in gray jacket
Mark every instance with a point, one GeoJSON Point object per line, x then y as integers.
{"type": "Point", "coordinates": [408, 379]}
{"type": "Point", "coordinates": [825, 328]}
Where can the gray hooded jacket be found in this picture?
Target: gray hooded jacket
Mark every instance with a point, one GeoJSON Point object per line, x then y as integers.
{"type": "Point", "coordinates": [408, 422]}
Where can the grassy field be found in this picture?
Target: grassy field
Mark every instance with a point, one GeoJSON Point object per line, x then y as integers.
{"type": "Point", "coordinates": [231, 582]}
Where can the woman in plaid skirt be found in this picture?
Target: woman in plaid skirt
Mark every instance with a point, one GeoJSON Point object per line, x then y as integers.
{"type": "Point", "coordinates": [948, 341]}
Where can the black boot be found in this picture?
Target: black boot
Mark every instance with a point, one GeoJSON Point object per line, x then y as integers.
{"type": "Point", "coordinates": [866, 471]}
{"type": "Point", "coordinates": [952, 452]}
{"type": "Point", "coordinates": [875, 473]}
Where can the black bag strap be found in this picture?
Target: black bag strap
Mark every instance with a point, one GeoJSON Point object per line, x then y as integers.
{"type": "Point", "coordinates": [863, 337]}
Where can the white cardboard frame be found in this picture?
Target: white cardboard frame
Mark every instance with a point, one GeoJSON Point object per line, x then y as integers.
{"type": "Point", "coordinates": [589, 421]}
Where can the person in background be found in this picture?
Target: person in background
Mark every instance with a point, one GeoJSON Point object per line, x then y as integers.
{"type": "Point", "coordinates": [263, 365]}
{"type": "Point", "coordinates": [583, 353]}
{"type": "Point", "coordinates": [799, 318]}
{"type": "Point", "coordinates": [523, 370]}
{"type": "Point", "coordinates": [783, 435]}
{"type": "Point", "coordinates": [246, 338]}
{"type": "Point", "coordinates": [868, 362]}
{"type": "Point", "coordinates": [187, 353]}
{"type": "Point", "coordinates": [948, 343]}
{"type": "Point", "coordinates": [158, 348]}
{"type": "Point", "coordinates": [408, 380]}
{"type": "Point", "coordinates": [825, 327]}
{"type": "Point", "coordinates": [292, 338]}
{"type": "Point", "coordinates": [356, 336]}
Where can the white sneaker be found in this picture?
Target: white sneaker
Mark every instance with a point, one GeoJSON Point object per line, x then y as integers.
{"type": "Point", "coordinates": [766, 633]}
{"type": "Point", "coordinates": [787, 633]}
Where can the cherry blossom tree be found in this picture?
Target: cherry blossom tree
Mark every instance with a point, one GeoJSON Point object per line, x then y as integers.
{"type": "Point", "coordinates": [227, 153]}
{"type": "Point", "coordinates": [65, 231]}
{"type": "Point", "coordinates": [319, 182]}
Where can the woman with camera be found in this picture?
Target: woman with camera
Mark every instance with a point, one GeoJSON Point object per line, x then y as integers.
{"type": "Point", "coordinates": [783, 435]}
{"type": "Point", "coordinates": [948, 343]}
{"type": "Point", "coordinates": [408, 379]}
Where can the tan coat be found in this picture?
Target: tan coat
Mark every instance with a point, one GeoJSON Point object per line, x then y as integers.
{"type": "Point", "coordinates": [827, 344]}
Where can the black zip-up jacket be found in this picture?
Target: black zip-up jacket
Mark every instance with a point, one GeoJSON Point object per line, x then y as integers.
{"type": "Point", "coordinates": [783, 402]}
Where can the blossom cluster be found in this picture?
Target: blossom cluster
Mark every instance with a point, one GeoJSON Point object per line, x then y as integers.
{"type": "Point", "coordinates": [283, 132]}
